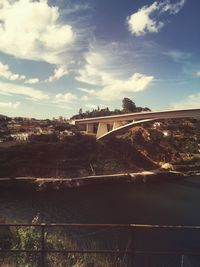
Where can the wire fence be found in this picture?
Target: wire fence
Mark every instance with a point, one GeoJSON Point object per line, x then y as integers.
{"type": "Point", "coordinates": [43, 240]}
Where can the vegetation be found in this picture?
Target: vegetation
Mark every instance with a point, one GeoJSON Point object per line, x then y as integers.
{"type": "Point", "coordinates": [29, 238]}
{"type": "Point", "coordinates": [4, 131]}
{"type": "Point", "coordinates": [175, 141]}
{"type": "Point", "coordinates": [71, 158]}
{"type": "Point", "coordinates": [128, 106]}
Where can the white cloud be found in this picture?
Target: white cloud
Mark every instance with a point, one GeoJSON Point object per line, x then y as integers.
{"type": "Point", "coordinates": [13, 89]}
{"type": "Point", "coordinates": [10, 105]}
{"type": "Point", "coordinates": [32, 81]}
{"type": "Point", "coordinates": [88, 91]}
{"type": "Point", "coordinates": [198, 73]}
{"type": "Point", "coordinates": [192, 101]}
{"type": "Point", "coordinates": [59, 72]}
{"type": "Point", "coordinates": [137, 82]}
{"type": "Point", "coordinates": [7, 74]}
{"type": "Point", "coordinates": [93, 106]}
{"type": "Point", "coordinates": [100, 73]}
{"type": "Point", "coordinates": [65, 98]}
{"type": "Point", "coordinates": [30, 30]}
{"type": "Point", "coordinates": [93, 71]}
{"type": "Point", "coordinates": [147, 18]}
{"type": "Point", "coordinates": [116, 88]}
{"type": "Point", "coordinates": [177, 55]}
{"type": "Point", "coordinates": [84, 98]}
{"type": "Point", "coordinates": [140, 22]}
{"type": "Point", "coordinates": [172, 8]}
{"type": "Point", "coordinates": [76, 8]}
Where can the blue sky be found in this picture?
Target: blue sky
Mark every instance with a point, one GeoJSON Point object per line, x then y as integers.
{"type": "Point", "coordinates": [58, 56]}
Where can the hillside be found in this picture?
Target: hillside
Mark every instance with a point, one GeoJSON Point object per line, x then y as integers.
{"type": "Point", "coordinates": [3, 117]}
{"type": "Point", "coordinates": [143, 148]}
{"type": "Point", "coordinates": [70, 158]}
{"type": "Point", "coordinates": [175, 141]}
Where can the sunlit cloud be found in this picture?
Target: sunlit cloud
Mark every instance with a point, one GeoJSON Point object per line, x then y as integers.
{"type": "Point", "coordinates": [198, 73]}
{"type": "Point", "coordinates": [136, 83]}
{"type": "Point", "coordinates": [11, 105]}
{"type": "Point", "coordinates": [92, 106]}
{"type": "Point", "coordinates": [178, 56]}
{"type": "Point", "coordinates": [147, 19]}
{"type": "Point", "coordinates": [59, 72]}
{"type": "Point", "coordinates": [192, 101]}
{"type": "Point", "coordinates": [31, 93]}
{"type": "Point", "coordinates": [76, 8]}
{"type": "Point", "coordinates": [99, 72]}
{"type": "Point", "coordinates": [84, 98]}
{"type": "Point", "coordinates": [32, 81]}
{"type": "Point", "coordinates": [6, 73]}
{"type": "Point", "coordinates": [65, 98]}
{"type": "Point", "coordinates": [31, 30]}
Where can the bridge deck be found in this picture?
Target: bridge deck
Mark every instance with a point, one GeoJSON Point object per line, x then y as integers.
{"type": "Point", "coordinates": [187, 113]}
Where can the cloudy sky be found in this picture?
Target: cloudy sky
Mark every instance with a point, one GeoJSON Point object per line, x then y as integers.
{"type": "Point", "coordinates": [59, 55]}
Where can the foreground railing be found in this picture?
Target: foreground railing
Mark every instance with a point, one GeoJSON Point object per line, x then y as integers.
{"type": "Point", "coordinates": [131, 251]}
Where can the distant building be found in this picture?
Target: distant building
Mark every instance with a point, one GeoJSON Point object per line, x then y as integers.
{"type": "Point", "coordinates": [20, 136]}
{"type": "Point", "coordinates": [64, 134]}
{"type": "Point", "coordinates": [157, 125]}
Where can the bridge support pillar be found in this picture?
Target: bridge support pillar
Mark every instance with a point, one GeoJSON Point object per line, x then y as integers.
{"type": "Point", "coordinates": [117, 124]}
{"type": "Point", "coordinates": [102, 129]}
{"type": "Point", "coordinates": [90, 128]}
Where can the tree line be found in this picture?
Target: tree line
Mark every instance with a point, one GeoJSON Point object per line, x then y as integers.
{"type": "Point", "coordinates": [128, 106]}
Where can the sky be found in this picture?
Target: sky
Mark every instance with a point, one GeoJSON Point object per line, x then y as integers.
{"type": "Point", "coordinates": [57, 56]}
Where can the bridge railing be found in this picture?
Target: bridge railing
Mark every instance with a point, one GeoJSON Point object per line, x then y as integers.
{"type": "Point", "coordinates": [132, 231]}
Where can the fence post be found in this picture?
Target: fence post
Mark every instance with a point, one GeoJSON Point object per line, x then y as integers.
{"type": "Point", "coordinates": [131, 248]}
{"type": "Point", "coordinates": [42, 245]}
{"type": "Point", "coordinates": [182, 260]}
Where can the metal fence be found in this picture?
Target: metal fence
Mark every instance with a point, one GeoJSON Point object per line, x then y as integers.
{"type": "Point", "coordinates": [131, 252]}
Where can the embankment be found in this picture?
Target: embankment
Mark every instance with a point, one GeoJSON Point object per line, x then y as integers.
{"type": "Point", "coordinates": [63, 183]}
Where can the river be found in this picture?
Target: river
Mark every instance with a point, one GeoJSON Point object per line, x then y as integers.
{"type": "Point", "coordinates": [171, 202]}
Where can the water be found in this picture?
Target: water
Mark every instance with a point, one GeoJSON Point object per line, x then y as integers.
{"type": "Point", "coordinates": [175, 202]}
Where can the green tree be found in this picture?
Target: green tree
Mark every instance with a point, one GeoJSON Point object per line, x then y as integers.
{"type": "Point", "coordinates": [128, 105]}
{"type": "Point", "coordinates": [80, 111]}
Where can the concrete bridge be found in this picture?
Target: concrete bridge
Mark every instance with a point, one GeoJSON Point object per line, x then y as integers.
{"type": "Point", "coordinates": [106, 126]}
